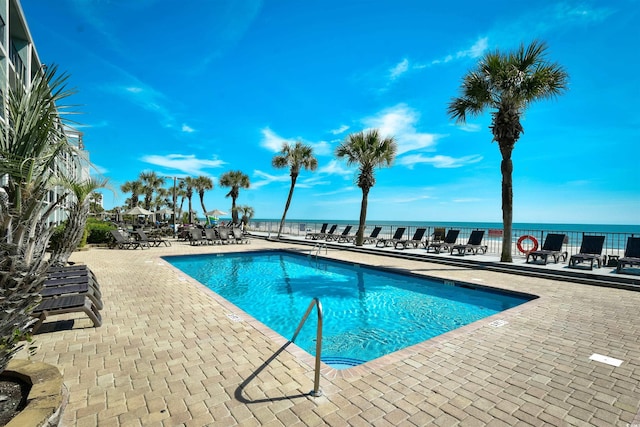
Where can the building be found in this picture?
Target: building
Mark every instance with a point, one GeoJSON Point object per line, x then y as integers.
{"type": "Point", "coordinates": [19, 63]}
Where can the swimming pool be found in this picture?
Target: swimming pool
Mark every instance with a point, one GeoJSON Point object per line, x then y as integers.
{"type": "Point", "coordinates": [368, 312]}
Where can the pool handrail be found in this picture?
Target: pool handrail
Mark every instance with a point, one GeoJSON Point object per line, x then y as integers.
{"type": "Point", "coordinates": [316, 392]}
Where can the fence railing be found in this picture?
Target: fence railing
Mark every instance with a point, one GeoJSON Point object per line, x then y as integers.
{"type": "Point", "coordinates": [614, 243]}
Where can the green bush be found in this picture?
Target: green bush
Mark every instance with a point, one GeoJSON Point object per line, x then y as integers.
{"type": "Point", "coordinates": [98, 231]}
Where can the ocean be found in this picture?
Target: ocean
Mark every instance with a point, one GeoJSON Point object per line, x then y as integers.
{"type": "Point", "coordinates": [574, 228]}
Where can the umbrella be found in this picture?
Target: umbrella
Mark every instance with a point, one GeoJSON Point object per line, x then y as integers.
{"type": "Point", "coordinates": [138, 211]}
{"type": "Point", "coordinates": [165, 212]}
{"type": "Point", "coordinates": [216, 212]}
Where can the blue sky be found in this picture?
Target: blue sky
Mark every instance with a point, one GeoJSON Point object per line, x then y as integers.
{"type": "Point", "coordinates": [213, 86]}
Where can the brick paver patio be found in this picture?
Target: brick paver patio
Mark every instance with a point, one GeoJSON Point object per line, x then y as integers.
{"type": "Point", "coordinates": [168, 354]}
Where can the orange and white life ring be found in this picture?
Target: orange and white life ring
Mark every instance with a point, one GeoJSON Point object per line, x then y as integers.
{"type": "Point", "coordinates": [534, 241]}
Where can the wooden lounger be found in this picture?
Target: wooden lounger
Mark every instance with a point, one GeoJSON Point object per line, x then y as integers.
{"type": "Point", "coordinates": [66, 304]}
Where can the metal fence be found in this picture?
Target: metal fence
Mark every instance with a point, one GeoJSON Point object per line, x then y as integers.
{"type": "Point", "coordinates": [614, 244]}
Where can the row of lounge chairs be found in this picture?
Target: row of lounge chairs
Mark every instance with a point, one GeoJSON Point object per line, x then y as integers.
{"type": "Point", "coordinates": [138, 239]}
{"type": "Point", "coordinates": [590, 249]}
{"type": "Point", "coordinates": [217, 235]}
{"type": "Point", "coordinates": [440, 241]}
{"type": "Point", "coordinates": [69, 289]}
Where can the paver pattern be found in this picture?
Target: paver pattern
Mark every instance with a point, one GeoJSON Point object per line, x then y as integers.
{"type": "Point", "coordinates": [169, 354]}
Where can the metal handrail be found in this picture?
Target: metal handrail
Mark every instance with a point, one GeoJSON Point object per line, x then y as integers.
{"type": "Point", "coordinates": [316, 392]}
{"type": "Point", "coordinates": [317, 248]}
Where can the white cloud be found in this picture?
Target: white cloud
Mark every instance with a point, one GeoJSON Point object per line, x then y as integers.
{"type": "Point", "coordinates": [339, 130]}
{"type": "Point", "coordinates": [438, 161]}
{"type": "Point", "coordinates": [322, 148]}
{"type": "Point", "coordinates": [188, 164]}
{"type": "Point", "coordinates": [271, 141]}
{"type": "Point", "coordinates": [401, 68]}
{"type": "Point", "coordinates": [186, 128]}
{"type": "Point", "coordinates": [334, 168]}
{"type": "Point", "coordinates": [399, 122]}
{"type": "Point", "coordinates": [265, 179]}
{"type": "Point", "coordinates": [475, 51]}
{"type": "Point", "coordinates": [468, 127]}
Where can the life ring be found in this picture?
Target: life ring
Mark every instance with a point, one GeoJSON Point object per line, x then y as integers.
{"type": "Point", "coordinates": [527, 237]}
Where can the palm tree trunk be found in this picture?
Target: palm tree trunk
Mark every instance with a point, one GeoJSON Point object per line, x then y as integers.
{"type": "Point", "coordinates": [507, 204]}
{"type": "Point", "coordinates": [286, 206]}
{"type": "Point", "coordinates": [72, 235]}
{"type": "Point", "coordinates": [190, 214]}
{"type": "Point", "coordinates": [363, 217]}
{"type": "Point", "coordinates": [234, 212]}
{"type": "Point", "coordinates": [204, 210]}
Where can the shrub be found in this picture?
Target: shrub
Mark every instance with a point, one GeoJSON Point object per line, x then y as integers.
{"type": "Point", "coordinates": [98, 231]}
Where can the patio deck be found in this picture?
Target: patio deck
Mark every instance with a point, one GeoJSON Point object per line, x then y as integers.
{"type": "Point", "coordinates": [170, 354]}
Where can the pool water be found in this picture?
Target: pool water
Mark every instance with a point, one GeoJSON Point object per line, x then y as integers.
{"type": "Point", "coordinates": [368, 312]}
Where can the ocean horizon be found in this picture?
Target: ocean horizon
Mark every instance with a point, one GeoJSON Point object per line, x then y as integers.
{"type": "Point", "coordinates": [584, 228]}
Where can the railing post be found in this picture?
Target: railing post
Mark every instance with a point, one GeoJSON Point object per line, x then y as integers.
{"type": "Point", "coordinates": [316, 392]}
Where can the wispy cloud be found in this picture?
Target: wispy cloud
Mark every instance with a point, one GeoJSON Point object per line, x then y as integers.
{"type": "Point", "coordinates": [188, 164]}
{"type": "Point", "coordinates": [399, 122]}
{"type": "Point", "coordinates": [468, 127]}
{"type": "Point", "coordinates": [266, 179]}
{"type": "Point", "coordinates": [187, 129]}
{"type": "Point", "coordinates": [400, 68]}
{"type": "Point", "coordinates": [339, 130]}
{"type": "Point", "coordinates": [271, 141]}
{"type": "Point", "coordinates": [438, 161]}
{"type": "Point", "coordinates": [475, 51]}
{"type": "Point", "coordinates": [334, 168]}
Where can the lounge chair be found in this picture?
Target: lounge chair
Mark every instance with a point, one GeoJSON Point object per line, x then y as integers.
{"type": "Point", "coordinates": [373, 237]}
{"type": "Point", "coordinates": [397, 236]}
{"type": "Point", "coordinates": [631, 254]}
{"type": "Point", "coordinates": [552, 246]}
{"type": "Point", "coordinates": [151, 241]}
{"type": "Point", "coordinates": [323, 235]}
{"type": "Point", "coordinates": [196, 237]}
{"type": "Point", "coordinates": [224, 233]}
{"type": "Point", "coordinates": [473, 245]}
{"type": "Point", "coordinates": [446, 244]}
{"type": "Point", "coordinates": [415, 241]}
{"type": "Point", "coordinates": [66, 304]}
{"type": "Point", "coordinates": [238, 236]}
{"type": "Point", "coordinates": [211, 236]}
{"type": "Point", "coordinates": [590, 250]}
{"type": "Point", "coordinates": [336, 237]}
{"type": "Point", "coordinates": [72, 281]}
{"type": "Point", "coordinates": [84, 288]}
{"type": "Point", "coordinates": [439, 234]}
{"type": "Point", "coordinates": [323, 230]}
{"type": "Point", "coordinates": [122, 242]}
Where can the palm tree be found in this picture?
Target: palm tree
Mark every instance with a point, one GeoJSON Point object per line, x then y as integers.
{"type": "Point", "coordinates": [202, 184]}
{"type": "Point", "coordinates": [247, 213]}
{"type": "Point", "coordinates": [151, 182]}
{"type": "Point", "coordinates": [235, 180]}
{"type": "Point", "coordinates": [188, 192]}
{"type": "Point", "coordinates": [135, 188]}
{"type": "Point", "coordinates": [369, 151]}
{"type": "Point", "coordinates": [507, 83]}
{"type": "Point", "coordinates": [77, 220]}
{"type": "Point", "coordinates": [296, 157]}
{"type": "Point", "coordinates": [31, 141]}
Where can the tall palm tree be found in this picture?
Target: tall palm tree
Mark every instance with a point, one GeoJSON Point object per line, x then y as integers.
{"type": "Point", "coordinates": [369, 151]}
{"type": "Point", "coordinates": [135, 188]}
{"type": "Point", "coordinates": [77, 220]}
{"type": "Point", "coordinates": [188, 192]}
{"type": "Point", "coordinates": [295, 157]}
{"type": "Point", "coordinates": [151, 182]}
{"type": "Point", "coordinates": [234, 180]}
{"type": "Point", "coordinates": [507, 83]}
{"type": "Point", "coordinates": [202, 184]}
{"type": "Point", "coordinates": [31, 141]}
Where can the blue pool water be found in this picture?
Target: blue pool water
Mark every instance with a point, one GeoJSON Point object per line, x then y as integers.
{"type": "Point", "coordinates": [368, 312]}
